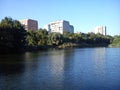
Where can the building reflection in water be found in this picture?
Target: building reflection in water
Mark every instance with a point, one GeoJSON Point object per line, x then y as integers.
{"type": "Point", "coordinates": [57, 67]}
{"type": "Point", "coordinates": [59, 63]}
{"type": "Point", "coordinates": [100, 63]}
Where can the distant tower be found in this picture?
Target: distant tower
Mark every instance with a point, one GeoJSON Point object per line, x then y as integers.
{"type": "Point", "coordinates": [100, 29]}
{"type": "Point", "coordinates": [105, 30]}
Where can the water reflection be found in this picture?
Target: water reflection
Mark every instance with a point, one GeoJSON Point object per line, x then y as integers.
{"type": "Point", "coordinates": [11, 64]}
{"type": "Point", "coordinates": [11, 58]}
{"type": "Point", "coordinates": [6, 69]}
{"type": "Point", "coordinates": [100, 63]}
{"type": "Point", "coordinates": [72, 69]}
{"type": "Point", "coordinates": [57, 67]}
{"type": "Point", "coordinates": [60, 62]}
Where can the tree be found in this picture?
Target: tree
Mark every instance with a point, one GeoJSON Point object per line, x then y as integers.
{"type": "Point", "coordinates": [41, 36]}
{"type": "Point", "coordinates": [55, 38]}
{"type": "Point", "coordinates": [38, 38]}
{"type": "Point", "coordinates": [31, 38]}
{"type": "Point", "coordinates": [12, 35]}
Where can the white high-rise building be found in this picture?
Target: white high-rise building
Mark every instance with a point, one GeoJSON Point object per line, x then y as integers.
{"type": "Point", "coordinates": [60, 26]}
{"type": "Point", "coordinates": [99, 29]}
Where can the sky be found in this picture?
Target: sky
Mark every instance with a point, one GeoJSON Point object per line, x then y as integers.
{"type": "Point", "coordinates": [84, 15]}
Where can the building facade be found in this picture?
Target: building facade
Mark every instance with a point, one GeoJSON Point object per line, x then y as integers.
{"type": "Point", "coordinates": [30, 24]}
{"type": "Point", "coordinates": [99, 29]}
{"type": "Point", "coordinates": [60, 26]}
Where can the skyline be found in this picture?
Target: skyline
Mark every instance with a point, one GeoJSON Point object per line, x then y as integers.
{"type": "Point", "coordinates": [84, 15]}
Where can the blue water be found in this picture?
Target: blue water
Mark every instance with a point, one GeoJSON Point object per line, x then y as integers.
{"type": "Point", "coordinates": [69, 69]}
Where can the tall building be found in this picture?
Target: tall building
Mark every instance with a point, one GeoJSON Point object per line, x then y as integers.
{"type": "Point", "coordinates": [30, 24]}
{"type": "Point", "coordinates": [99, 29]}
{"type": "Point", "coordinates": [60, 26]}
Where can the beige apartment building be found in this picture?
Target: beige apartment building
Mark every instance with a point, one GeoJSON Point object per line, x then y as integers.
{"type": "Point", "coordinates": [30, 24]}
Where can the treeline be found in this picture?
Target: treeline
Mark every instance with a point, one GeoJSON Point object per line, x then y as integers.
{"type": "Point", "coordinates": [13, 38]}
{"type": "Point", "coordinates": [43, 38]}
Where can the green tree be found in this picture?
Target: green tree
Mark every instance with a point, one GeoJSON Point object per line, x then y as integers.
{"type": "Point", "coordinates": [55, 38]}
{"type": "Point", "coordinates": [38, 38]}
{"type": "Point", "coordinates": [31, 38]}
{"type": "Point", "coordinates": [12, 35]}
{"type": "Point", "coordinates": [41, 36]}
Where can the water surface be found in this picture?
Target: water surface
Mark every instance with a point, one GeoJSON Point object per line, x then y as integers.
{"type": "Point", "coordinates": [70, 69]}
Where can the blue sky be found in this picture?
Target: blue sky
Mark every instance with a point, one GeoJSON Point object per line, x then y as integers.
{"type": "Point", "coordinates": [84, 15]}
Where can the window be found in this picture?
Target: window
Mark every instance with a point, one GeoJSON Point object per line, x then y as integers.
{"type": "Point", "coordinates": [60, 28]}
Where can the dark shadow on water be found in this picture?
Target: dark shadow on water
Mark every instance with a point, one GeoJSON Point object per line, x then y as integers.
{"type": "Point", "coordinates": [11, 64]}
{"type": "Point", "coordinates": [6, 69]}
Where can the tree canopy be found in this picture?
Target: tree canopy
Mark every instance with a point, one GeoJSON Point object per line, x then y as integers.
{"type": "Point", "coordinates": [12, 35]}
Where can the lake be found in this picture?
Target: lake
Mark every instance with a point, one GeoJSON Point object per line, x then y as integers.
{"type": "Point", "coordinates": [66, 69]}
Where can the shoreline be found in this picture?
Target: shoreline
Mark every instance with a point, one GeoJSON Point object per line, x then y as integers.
{"type": "Point", "coordinates": [48, 47]}
{"type": "Point", "coordinates": [64, 46]}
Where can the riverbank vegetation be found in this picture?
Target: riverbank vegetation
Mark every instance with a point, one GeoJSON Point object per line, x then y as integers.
{"type": "Point", "coordinates": [116, 41]}
{"type": "Point", "coordinates": [43, 38]}
{"type": "Point", "coordinates": [13, 38]}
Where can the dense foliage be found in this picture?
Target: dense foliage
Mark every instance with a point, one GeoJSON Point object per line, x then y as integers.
{"type": "Point", "coordinates": [42, 37]}
{"type": "Point", "coordinates": [12, 35]}
{"type": "Point", "coordinates": [37, 38]}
